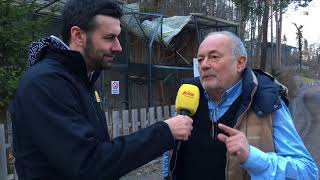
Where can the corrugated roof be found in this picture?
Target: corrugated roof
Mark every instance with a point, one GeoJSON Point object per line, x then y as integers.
{"type": "Point", "coordinates": [147, 25]}
{"type": "Point", "coordinates": [164, 29]}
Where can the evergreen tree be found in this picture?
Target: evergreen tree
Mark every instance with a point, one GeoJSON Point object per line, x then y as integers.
{"type": "Point", "coordinates": [18, 27]}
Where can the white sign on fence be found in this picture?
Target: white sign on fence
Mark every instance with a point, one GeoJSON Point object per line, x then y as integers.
{"type": "Point", "coordinates": [115, 87]}
{"type": "Point", "coordinates": [195, 67]}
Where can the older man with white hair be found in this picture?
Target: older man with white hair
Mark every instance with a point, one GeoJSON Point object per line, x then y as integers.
{"type": "Point", "coordinates": [243, 128]}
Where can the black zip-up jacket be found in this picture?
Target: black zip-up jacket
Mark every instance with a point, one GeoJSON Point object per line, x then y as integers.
{"type": "Point", "coordinates": [60, 132]}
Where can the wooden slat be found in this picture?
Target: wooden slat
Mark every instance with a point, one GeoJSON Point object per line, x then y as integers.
{"type": "Point", "coordinates": [109, 124]}
{"type": "Point", "coordinates": [172, 110]}
{"type": "Point", "coordinates": [122, 123]}
{"type": "Point", "coordinates": [143, 115]}
{"type": "Point", "coordinates": [116, 124]}
{"type": "Point", "coordinates": [152, 120]}
{"type": "Point", "coordinates": [134, 117]}
{"type": "Point", "coordinates": [107, 117]}
{"type": "Point", "coordinates": [166, 112]}
{"type": "Point", "coordinates": [159, 113]}
{"type": "Point", "coordinates": [125, 122]}
{"type": "Point", "coordinates": [3, 154]}
{"type": "Point", "coordinates": [9, 129]}
{"type": "Point", "coordinates": [10, 144]}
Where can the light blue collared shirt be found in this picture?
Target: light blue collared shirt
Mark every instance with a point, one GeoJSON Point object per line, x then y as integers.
{"type": "Point", "coordinates": [216, 111]}
{"type": "Point", "coordinates": [291, 160]}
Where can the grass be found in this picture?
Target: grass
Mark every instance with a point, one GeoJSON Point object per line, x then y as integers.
{"type": "Point", "coordinates": [308, 80]}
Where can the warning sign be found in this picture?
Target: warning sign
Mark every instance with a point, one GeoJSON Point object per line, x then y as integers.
{"type": "Point", "coordinates": [115, 87]}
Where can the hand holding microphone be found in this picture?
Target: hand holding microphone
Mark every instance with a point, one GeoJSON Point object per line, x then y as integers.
{"type": "Point", "coordinates": [180, 127]}
{"type": "Point", "coordinates": [187, 103]}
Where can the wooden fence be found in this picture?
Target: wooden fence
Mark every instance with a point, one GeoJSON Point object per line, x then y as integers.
{"type": "Point", "coordinates": [6, 156]}
{"type": "Point", "coordinates": [119, 123]}
{"type": "Point", "coordinates": [128, 121]}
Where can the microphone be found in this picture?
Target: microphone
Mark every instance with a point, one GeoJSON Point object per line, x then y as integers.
{"type": "Point", "coordinates": [187, 101]}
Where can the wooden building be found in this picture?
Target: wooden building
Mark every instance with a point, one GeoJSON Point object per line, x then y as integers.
{"type": "Point", "coordinates": [148, 72]}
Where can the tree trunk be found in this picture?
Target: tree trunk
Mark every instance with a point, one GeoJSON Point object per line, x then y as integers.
{"type": "Point", "coordinates": [278, 43]}
{"type": "Point", "coordinates": [258, 45]}
{"type": "Point", "coordinates": [242, 25]}
{"type": "Point", "coordinates": [299, 39]}
{"type": "Point", "coordinates": [265, 21]}
{"type": "Point", "coordinates": [252, 30]}
{"type": "Point", "coordinates": [271, 40]}
{"type": "Point", "coordinates": [278, 35]}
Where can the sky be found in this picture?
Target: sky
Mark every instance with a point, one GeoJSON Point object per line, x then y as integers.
{"type": "Point", "coordinates": [310, 22]}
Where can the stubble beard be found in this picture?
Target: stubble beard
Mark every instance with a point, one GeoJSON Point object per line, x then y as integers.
{"type": "Point", "coordinates": [95, 59]}
{"type": "Point", "coordinates": [106, 65]}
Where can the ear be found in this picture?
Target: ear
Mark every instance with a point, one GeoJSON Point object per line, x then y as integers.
{"type": "Point", "coordinates": [78, 37]}
{"type": "Point", "coordinates": [241, 63]}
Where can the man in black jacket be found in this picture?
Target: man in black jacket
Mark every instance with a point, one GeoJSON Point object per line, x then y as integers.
{"type": "Point", "coordinates": [59, 130]}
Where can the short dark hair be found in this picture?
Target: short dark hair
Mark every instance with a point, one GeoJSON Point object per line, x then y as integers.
{"type": "Point", "coordinates": [82, 13]}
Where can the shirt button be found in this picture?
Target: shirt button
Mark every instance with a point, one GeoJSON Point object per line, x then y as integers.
{"type": "Point", "coordinates": [260, 113]}
{"type": "Point", "coordinates": [275, 106]}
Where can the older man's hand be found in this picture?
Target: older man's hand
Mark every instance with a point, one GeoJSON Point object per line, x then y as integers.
{"type": "Point", "coordinates": [236, 142]}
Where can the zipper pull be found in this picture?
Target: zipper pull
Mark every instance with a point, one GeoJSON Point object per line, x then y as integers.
{"type": "Point", "coordinates": [214, 130]}
{"type": "Point", "coordinates": [215, 125]}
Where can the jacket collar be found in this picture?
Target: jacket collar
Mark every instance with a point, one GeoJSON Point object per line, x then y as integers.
{"type": "Point", "coordinates": [266, 93]}
{"type": "Point", "coordinates": [72, 60]}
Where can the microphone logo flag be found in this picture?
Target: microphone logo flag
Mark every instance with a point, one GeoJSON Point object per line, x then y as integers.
{"type": "Point", "coordinates": [188, 94]}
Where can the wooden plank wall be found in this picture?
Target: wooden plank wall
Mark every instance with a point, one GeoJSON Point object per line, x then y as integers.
{"type": "Point", "coordinates": [163, 91]}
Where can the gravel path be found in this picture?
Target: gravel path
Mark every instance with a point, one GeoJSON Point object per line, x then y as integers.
{"type": "Point", "coordinates": [150, 171]}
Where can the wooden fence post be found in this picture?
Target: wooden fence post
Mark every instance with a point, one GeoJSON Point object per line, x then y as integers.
{"type": "Point", "coordinates": [151, 116]}
{"type": "Point", "coordinates": [9, 129]}
{"type": "Point", "coordinates": [159, 113]}
{"type": "Point", "coordinates": [125, 121]}
{"type": "Point", "coordinates": [134, 118]}
{"type": "Point", "coordinates": [166, 112]}
{"type": "Point", "coordinates": [116, 124]}
{"type": "Point", "coordinates": [3, 154]}
{"type": "Point", "coordinates": [173, 110]}
{"type": "Point", "coordinates": [143, 119]}
{"type": "Point", "coordinates": [108, 121]}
